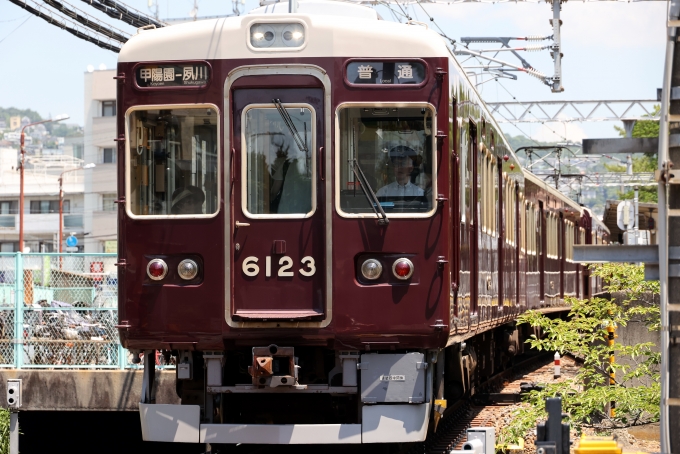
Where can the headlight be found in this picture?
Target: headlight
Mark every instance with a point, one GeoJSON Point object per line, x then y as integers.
{"type": "Point", "coordinates": [293, 35]}
{"type": "Point", "coordinates": [262, 35]}
{"type": "Point", "coordinates": [187, 269]}
{"type": "Point", "coordinates": [371, 269]}
{"type": "Point", "coordinates": [277, 35]}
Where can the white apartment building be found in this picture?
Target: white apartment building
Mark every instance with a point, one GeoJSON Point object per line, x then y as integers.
{"type": "Point", "coordinates": [99, 215]}
{"type": "Point", "coordinates": [41, 201]}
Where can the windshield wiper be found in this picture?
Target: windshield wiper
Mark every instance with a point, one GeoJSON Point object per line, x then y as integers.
{"type": "Point", "coordinates": [302, 145]}
{"type": "Point", "coordinates": [368, 192]}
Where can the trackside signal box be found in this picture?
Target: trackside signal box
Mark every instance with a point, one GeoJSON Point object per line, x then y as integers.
{"type": "Point", "coordinates": [14, 393]}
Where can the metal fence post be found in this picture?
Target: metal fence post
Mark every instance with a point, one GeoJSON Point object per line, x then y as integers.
{"type": "Point", "coordinates": [19, 311]}
{"type": "Point", "coordinates": [14, 432]}
{"type": "Point", "coordinates": [122, 357]}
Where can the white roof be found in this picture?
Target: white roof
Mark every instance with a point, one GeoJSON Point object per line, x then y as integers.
{"type": "Point", "coordinates": [327, 36]}
{"type": "Point", "coordinates": [554, 192]}
{"type": "Point", "coordinates": [321, 7]}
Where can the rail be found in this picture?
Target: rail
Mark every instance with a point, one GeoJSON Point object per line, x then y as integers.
{"type": "Point", "coordinates": [59, 311]}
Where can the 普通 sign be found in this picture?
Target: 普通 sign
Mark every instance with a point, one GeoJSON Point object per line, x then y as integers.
{"type": "Point", "coordinates": [386, 72]}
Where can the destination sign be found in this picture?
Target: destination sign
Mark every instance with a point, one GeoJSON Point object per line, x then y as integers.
{"type": "Point", "coordinates": [175, 75]}
{"type": "Point", "coordinates": [386, 73]}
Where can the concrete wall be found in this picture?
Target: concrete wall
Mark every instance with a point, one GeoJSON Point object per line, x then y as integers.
{"type": "Point", "coordinates": [637, 332]}
{"type": "Point", "coordinates": [84, 390]}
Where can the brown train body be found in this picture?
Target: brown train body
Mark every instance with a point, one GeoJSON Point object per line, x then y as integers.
{"type": "Point", "coordinates": [493, 243]}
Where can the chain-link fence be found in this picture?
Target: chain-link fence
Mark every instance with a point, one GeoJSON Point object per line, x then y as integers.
{"type": "Point", "coordinates": [60, 311]}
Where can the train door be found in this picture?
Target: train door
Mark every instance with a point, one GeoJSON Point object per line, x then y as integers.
{"type": "Point", "coordinates": [561, 236]}
{"type": "Point", "coordinates": [541, 252]}
{"type": "Point", "coordinates": [472, 211]}
{"type": "Point", "coordinates": [278, 219]}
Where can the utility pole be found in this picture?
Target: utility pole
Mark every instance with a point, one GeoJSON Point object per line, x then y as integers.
{"type": "Point", "coordinates": [669, 236]}
{"type": "Point", "coordinates": [21, 176]}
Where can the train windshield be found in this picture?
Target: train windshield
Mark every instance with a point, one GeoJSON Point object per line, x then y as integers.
{"type": "Point", "coordinates": [172, 164]}
{"type": "Point", "coordinates": [393, 147]}
{"type": "Point", "coordinates": [278, 144]}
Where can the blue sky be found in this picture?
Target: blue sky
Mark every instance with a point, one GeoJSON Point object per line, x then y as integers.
{"type": "Point", "coordinates": [612, 50]}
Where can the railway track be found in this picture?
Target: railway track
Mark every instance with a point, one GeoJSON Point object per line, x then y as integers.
{"type": "Point", "coordinates": [489, 408]}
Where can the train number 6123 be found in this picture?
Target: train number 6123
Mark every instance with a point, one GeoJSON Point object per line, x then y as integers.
{"type": "Point", "coordinates": [250, 267]}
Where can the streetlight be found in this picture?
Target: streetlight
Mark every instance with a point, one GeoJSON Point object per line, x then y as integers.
{"type": "Point", "coordinates": [21, 176]}
{"type": "Point", "coordinates": [61, 197]}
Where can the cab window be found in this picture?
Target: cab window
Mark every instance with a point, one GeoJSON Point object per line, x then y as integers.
{"type": "Point", "coordinates": [393, 148]}
{"type": "Point", "coordinates": [172, 161]}
{"type": "Point", "coordinates": [278, 152]}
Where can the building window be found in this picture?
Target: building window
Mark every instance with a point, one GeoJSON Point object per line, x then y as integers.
{"type": "Point", "coordinates": [48, 206]}
{"type": "Point", "coordinates": [78, 150]}
{"type": "Point", "coordinates": [108, 156]}
{"type": "Point", "coordinates": [8, 247]}
{"type": "Point", "coordinates": [109, 202]}
{"type": "Point", "coordinates": [7, 222]}
{"type": "Point", "coordinates": [8, 207]}
{"type": "Point", "coordinates": [73, 221]}
{"type": "Point", "coordinates": [108, 108]}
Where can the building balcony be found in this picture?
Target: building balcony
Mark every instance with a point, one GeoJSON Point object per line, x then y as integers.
{"type": "Point", "coordinates": [39, 223]}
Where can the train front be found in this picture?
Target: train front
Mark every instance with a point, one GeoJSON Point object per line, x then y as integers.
{"type": "Point", "coordinates": [285, 226]}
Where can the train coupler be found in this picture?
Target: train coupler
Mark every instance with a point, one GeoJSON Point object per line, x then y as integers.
{"type": "Point", "coordinates": [274, 366]}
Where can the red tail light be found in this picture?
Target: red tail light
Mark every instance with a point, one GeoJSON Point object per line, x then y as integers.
{"type": "Point", "coordinates": [402, 268]}
{"type": "Point", "coordinates": [157, 269]}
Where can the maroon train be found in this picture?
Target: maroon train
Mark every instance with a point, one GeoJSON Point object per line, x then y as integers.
{"type": "Point", "coordinates": [323, 225]}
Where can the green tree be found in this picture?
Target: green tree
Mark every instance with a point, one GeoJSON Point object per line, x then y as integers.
{"type": "Point", "coordinates": [644, 128]}
{"type": "Point", "coordinates": [584, 336]}
{"type": "Point", "coordinates": [6, 113]}
{"type": "Point", "coordinates": [645, 163]}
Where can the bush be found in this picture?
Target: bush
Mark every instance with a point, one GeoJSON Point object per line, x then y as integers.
{"type": "Point", "coordinates": [584, 335]}
{"type": "Point", "coordinates": [4, 431]}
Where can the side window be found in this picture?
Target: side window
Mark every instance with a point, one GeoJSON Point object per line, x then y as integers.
{"type": "Point", "coordinates": [394, 149]}
{"type": "Point", "coordinates": [465, 173]}
{"type": "Point", "coordinates": [472, 154]}
{"type": "Point", "coordinates": [172, 161]}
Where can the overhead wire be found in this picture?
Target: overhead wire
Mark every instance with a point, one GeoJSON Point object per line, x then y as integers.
{"type": "Point", "coordinates": [125, 13]}
{"type": "Point", "coordinates": [444, 35]}
{"type": "Point", "coordinates": [88, 21]}
{"type": "Point", "coordinates": [17, 28]}
{"type": "Point", "coordinates": [15, 19]}
{"type": "Point", "coordinates": [541, 122]}
{"type": "Point", "coordinates": [49, 17]}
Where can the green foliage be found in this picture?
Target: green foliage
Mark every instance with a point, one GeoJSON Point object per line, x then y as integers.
{"type": "Point", "coordinates": [6, 113]}
{"type": "Point", "coordinates": [646, 194]}
{"type": "Point", "coordinates": [644, 128]}
{"type": "Point", "coordinates": [636, 390]}
{"type": "Point", "coordinates": [644, 163]}
{"type": "Point", "coordinates": [4, 431]}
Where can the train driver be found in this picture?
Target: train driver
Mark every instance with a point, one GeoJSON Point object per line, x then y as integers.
{"type": "Point", "coordinates": [403, 159]}
{"type": "Point", "coordinates": [187, 200]}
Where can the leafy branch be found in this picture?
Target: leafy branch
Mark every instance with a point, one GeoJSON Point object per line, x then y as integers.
{"type": "Point", "coordinates": [585, 397]}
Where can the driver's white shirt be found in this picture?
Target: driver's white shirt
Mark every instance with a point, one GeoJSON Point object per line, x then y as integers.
{"type": "Point", "coordinates": [395, 189]}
